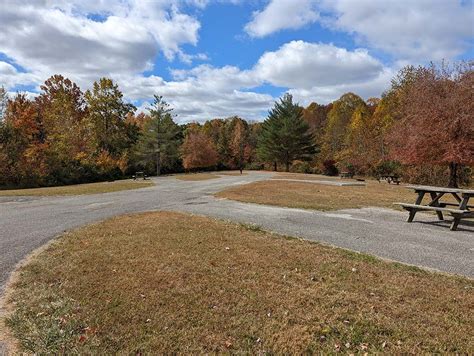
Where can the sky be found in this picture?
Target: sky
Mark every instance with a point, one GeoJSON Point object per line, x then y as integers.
{"type": "Point", "coordinates": [219, 58]}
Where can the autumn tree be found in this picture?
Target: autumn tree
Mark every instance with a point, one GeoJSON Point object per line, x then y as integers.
{"type": "Point", "coordinates": [338, 120]}
{"type": "Point", "coordinates": [436, 124]}
{"type": "Point", "coordinates": [62, 110]}
{"type": "Point", "coordinates": [316, 117]}
{"type": "Point", "coordinates": [22, 146]}
{"type": "Point", "coordinates": [239, 145]}
{"type": "Point", "coordinates": [107, 112]}
{"type": "Point", "coordinates": [285, 136]}
{"type": "Point", "coordinates": [160, 139]}
{"type": "Point", "coordinates": [219, 131]}
{"type": "Point", "coordinates": [198, 150]}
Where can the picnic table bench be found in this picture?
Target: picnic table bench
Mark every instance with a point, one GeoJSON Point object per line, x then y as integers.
{"type": "Point", "coordinates": [390, 178]}
{"type": "Point", "coordinates": [459, 210]}
{"type": "Point", "coordinates": [346, 175]}
{"type": "Point", "coordinates": [139, 174]}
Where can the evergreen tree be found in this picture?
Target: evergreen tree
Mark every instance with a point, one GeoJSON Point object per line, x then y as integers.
{"type": "Point", "coordinates": [159, 143]}
{"type": "Point", "coordinates": [285, 136]}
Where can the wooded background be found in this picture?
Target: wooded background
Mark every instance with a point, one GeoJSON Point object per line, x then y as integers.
{"type": "Point", "coordinates": [421, 129]}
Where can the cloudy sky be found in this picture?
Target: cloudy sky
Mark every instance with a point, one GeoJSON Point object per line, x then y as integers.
{"type": "Point", "coordinates": [216, 58]}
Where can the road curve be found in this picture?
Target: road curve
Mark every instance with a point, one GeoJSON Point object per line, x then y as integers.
{"type": "Point", "coordinates": [28, 222]}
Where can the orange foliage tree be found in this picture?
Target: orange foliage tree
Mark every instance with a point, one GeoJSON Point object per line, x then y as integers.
{"type": "Point", "coordinates": [198, 151]}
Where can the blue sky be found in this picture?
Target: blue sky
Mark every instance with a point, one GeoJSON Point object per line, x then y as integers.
{"type": "Point", "coordinates": [217, 58]}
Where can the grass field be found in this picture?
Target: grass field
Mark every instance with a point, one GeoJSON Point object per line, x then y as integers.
{"type": "Point", "coordinates": [320, 196]}
{"type": "Point", "coordinates": [166, 282]}
{"type": "Point", "coordinates": [196, 176]}
{"type": "Point", "coordinates": [79, 189]}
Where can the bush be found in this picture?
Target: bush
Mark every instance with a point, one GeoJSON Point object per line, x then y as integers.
{"type": "Point", "coordinates": [435, 175]}
{"type": "Point", "coordinates": [300, 167]}
{"type": "Point", "coordinates": [384, 168]}
{"type": "Point", "coordinates": [254, 166]}
{"type": "Point", "coordinates": [330, 168]}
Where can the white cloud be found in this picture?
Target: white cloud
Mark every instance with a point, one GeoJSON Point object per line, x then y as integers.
{"type": "Point", "coordinates": [10, 77]}
{"type": "Point", "coordinates": [120, 39]}
{"type": "Point", "coordinates": [281, 15]}
{"type": "Point", "coordinates": [60, 37]}
{"type": "Point", "coordinates": [300, 64]}
{"type": "Point", "coordinates": [420, 30]}
{"type": "Point", "coordinates": [311, 72]}
{"type": "Point", "coordinates": [325, 94]}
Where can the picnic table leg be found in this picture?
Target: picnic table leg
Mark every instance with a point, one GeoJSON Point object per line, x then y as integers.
{"type": "Point", "coordinates": [418, 202]}
{"type": "Point", "coordinates": [436, 203]}
{"type": "Point", "coordinates": [457, 219]}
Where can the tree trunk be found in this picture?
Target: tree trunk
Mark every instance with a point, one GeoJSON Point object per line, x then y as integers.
{"type": "Point", "coordinates": [453, 175]}
{"type": "Point", "coordinates": [287, 166]}
{"type": "Point", "coordinates": [158, 162]}
{"type": "Point", "coordinates": [275, 166]}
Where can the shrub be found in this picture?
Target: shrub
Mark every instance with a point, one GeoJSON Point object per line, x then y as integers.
{"type": "Point", "coordinates": [254, 166]}
{"type": "Point", "coordinates": [300, 167]}
{"type": "Point", "coordinates": [387, 168]}
{"type": "Point", "coordinates": [434, 175]}
{"type": "Point", "coordinates": [330, 168]}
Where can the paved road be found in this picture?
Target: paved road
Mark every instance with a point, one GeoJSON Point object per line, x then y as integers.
{"type": "Point", "coordinates": [27, 223]}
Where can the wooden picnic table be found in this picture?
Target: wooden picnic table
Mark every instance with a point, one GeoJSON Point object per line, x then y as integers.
{"type": "Point", "coordinates": [459, 210]}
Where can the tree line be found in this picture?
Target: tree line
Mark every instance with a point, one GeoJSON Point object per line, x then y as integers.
{"type": "Point", "coordinates": [422, 128]}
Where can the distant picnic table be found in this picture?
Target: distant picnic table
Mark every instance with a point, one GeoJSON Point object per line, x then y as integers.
{"type": "Point", "coordinates": [390, 178]}
{"type": "Point", "coordinates": [346, 175]}
{"type": "Point", "coordinates": [459, 210]}
{"type": "Point", "coordinates": [139, 174]}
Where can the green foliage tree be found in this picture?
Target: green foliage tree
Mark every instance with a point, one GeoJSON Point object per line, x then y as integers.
{"type": "Point", "coordinates": [160, 140]}
{"type": "Point", "coordinates": [285, 136]}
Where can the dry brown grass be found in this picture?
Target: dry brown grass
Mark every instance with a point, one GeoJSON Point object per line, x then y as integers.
{"type": "Point", "coordinates": [231, 173]}
{"type": "Point", "coordinates": [303, 176]}
{"type": "Point", "coordinates": [167, 282]}
{"type": "Point", "coordinates": [79, 189]}
{"type": "Point", "coordinates": [196, 176]}
{"type": "Point", "coordinates": [319, 196]}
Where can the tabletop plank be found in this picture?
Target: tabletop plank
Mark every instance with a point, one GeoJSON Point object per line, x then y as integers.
{"type": "Point", "coordinates": [427, 188]}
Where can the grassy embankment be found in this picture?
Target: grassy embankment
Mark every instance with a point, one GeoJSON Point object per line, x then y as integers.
{"type": "Point", "coordinates": [170, 282]}
{"type": "Point", "coordinates": [307, 195]}
{"type": "Point", "coordinates": [79, 189]}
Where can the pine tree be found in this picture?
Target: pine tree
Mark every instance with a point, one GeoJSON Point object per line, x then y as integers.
{"type": "Point", "coordinates": [160, 139]}
{"type": "Point", "coordinates": [285, 136]}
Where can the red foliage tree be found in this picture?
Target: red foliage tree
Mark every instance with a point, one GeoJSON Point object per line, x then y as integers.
{"type": "Point", "coordinates": [437, 124]}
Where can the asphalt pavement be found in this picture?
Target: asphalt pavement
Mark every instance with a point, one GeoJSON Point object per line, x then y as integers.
{"type": "Point", "coordinates": [27, 223]}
